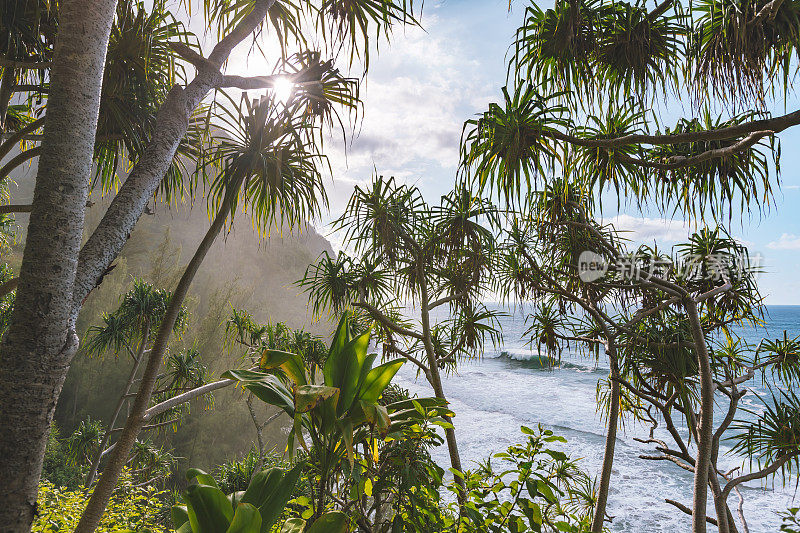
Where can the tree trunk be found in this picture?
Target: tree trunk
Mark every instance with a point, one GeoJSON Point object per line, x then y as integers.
{"type": "Point", "coordinates": [170, 127]}
{"type": "Point", "coordinates": [119, 456]}
{"type": "Point", "coordinates": [598, 519]}
{"type": "Point", "coordinates": [36, 351]}
{"type": "Point", "coordinates": [705, 431]}
{"type": "Point", "coordinates": [7, 82]}
{"type": "Point", "coordinates": [436, 382]}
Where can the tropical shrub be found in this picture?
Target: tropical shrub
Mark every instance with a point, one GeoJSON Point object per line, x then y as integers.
{"type": "Point", "coordinates": [132, 508]}
{"type": "Point", "coordinates": [355, 457]}
{"type": "Point", "coordinates": [207, 509]}
{"type": "Point", "coordinates": [58, 469]}
{"type": "Point", "coordinates": [791, 520]}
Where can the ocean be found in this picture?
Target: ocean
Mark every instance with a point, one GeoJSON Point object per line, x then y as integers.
{"type": "Point", "coordinates": [507, 387]}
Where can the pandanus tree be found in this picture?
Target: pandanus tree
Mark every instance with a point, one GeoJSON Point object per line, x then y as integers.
{"type": "Point", "coordinates": [339, 410]}
{"type": "Point", "coordinates": [58, 268]}
{"type": "Point", "coordinates": [128, 331]}
{"type": "Point", "coordinates": [586, 79]}
{"type": "Point", "coordinates": [268, 161]}
{"type": "Point", "coordinates": [431, 258]}
{"type": "Point", "coordinates": [649, 312]}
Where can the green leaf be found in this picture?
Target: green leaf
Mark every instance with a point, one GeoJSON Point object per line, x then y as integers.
{"type": "Point", "coordinates": [343, 370]}
{"type": "Point", "coordinates": [333, 522]}
{"type": "Point", "coordinates": [378, 379]}
{"type": "Point", "coordinates": [262, 486]}
{"type": "Point", "coordinates": [292, 364]}
{"type": "Point", "coordinates": [209, 509]}
{"type": "Point", "coordinates": [340, 338]}
{"type": "Point", "coordinates": [293, 525]}
{"type": "Point", "coordinates": [246, 519]}
{"type": "Point", "coordinates": [306, 397]}
{"type": "Point", "coordinates": [546, 491]}
{"type": "Point", "coordinates": [180, 515]}
{"type": "Point", "coordinates": [274, 503]}
{"type": "Point", "coordinates": [201, 476]}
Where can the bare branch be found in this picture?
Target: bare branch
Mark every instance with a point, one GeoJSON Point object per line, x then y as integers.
{"type": "Point", "coordinates": [679, 161]}
{"type": "Point", "coordinates": [386, 321]}
{"type": "Point", "coordinates": [185, 397]}
{"type": "Point", "coordinates": [15, 208]}
{"type": "Point", "coordinates": [248, 82]}
{"type": "Point", "coordinates": [8, 286]}
{"type": "Point", "coordinates": [446, 299]}
{"type": "Point", "coordinates": [19, 159]}
{"type": "Point", "coordinates": [689, 511]}
{"type": "Point", "coordinates": [764, 472]}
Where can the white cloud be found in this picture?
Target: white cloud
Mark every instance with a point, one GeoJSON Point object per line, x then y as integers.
{"type": "Point", "coordinates": [791, 187]}
{"type": "Point", "coordinates": [418, 93]}
{"type": "Point", "coordinates": [787, 241]}
{"type": "Point", "coordinates": [643, 229]}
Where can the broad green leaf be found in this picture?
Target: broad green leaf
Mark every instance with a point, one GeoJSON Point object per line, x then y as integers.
{"type": "Point", "coordinates": [201, 476]}
{"type": "Point", "coordinates": [347, 436]}
{"type": "Point", "coordinates": [343, 370]}
{"type": "Point", "coordinates": [180, 515]}
{"type": "Point", "coordinates": [262, 486]}
{"type": "Point", "coordinates": [246, 519]}
{"type": "Point", "coordinates": [376, 415]}
{"type": "Point", "coordinates": [546, 491]}
{"type": "Point", "coordinates": [333, 522]}
{"type": "Point", "coordinates": [273, 503]}
{"type": "Point", "coordinates": [293, 525]}
{"type": "Point", "coordinates": [340, 338]}
{"type": "Point", "coordinates": [306, 397]}
{"type": "Point", "coordinates": [209, 509]}
{"type": "Point", "coordinates": [290, 363]}
{"type": "Point", "coordinates": [378, 379]}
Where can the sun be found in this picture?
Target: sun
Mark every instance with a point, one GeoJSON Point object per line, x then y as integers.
{"type": "Point", "coordinates": [282, 90]}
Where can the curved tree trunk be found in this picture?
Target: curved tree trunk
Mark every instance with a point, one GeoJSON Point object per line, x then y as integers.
{"type": "Point", "coordinates": [705, 431]}
{"type": "Point", "coordinates": [119, 456]}
{"type": "Point", "coordinates": [436, 383]}
{"type": "Point", "coordinates": [598, 518]}
{"type": "Point", "coordinates": [36, 351]}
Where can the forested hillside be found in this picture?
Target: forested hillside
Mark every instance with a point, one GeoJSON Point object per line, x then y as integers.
{"type": "Point", "coordinates": [245, 270]}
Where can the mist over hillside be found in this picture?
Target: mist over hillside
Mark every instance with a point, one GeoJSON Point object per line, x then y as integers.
{"type": "Point", "coordinates": [243, 270]}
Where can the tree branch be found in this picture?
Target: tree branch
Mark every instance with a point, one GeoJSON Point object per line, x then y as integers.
{"type": "Point", "coordinates": [764, 472]}
{"type": "Point", "coordinates": [15, 208]}
{"type": "Point", "coordinates": [689, 511]}
{"type": "Point", "coordinates": [18, 136]}
{"type": "Point", "coordinates": [677, 162]}
{"type": "Point", "coordinates": [19, 159]}
{"type": "Point", "coordinates": [166, 405]}
{"type": "Point", "coordinates": [386, 321]}
{"type": "Point", "coordinates": [8, 286]}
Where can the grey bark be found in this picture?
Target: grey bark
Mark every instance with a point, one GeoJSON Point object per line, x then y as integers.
{"type": "Point", "coordinates": [705, 430]}
{"type": "Point", "coordinates": [171, 124]}
{"type": "Point", "coordinates": [36, 351]}
{"type": "Point", "coordinates": [436, 383]}
{"type": "Point", "coordinates": [598, 519]}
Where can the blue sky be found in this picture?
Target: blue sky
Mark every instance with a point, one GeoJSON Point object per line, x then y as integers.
{"type": "Point", "coordinates": [425, 83]}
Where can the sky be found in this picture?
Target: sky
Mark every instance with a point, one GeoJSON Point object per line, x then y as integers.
{"type": "Point", "coordinates": [427, 81]}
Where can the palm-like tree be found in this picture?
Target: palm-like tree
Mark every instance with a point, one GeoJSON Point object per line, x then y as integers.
{"type": "Point", "coordinates": [411, 253]}
{"type": "Point", "coordinates": [130, 330]}
{"type": "Point", "coordinates": [269, 164]}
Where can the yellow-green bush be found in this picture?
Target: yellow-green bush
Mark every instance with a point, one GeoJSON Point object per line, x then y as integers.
{"type": "Point", "coordinates": [131, 509]}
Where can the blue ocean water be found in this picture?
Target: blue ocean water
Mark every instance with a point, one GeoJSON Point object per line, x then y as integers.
{"type": "Point", "coordinates": [495, 394]}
